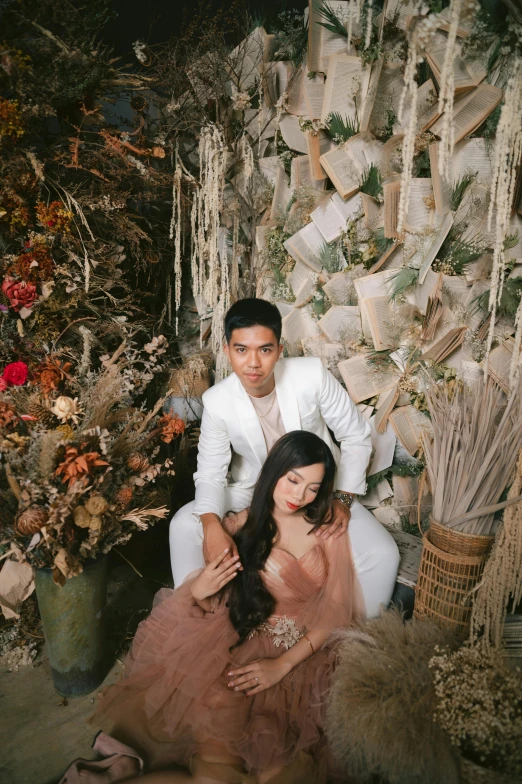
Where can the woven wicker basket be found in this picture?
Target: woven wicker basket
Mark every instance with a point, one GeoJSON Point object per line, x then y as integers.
{"type": "Point", "coordinates": [446, 580]}
{"type": "Point", "coordinates": [470, 773]}
{"type": "Point", "coordinates": [459, 543]}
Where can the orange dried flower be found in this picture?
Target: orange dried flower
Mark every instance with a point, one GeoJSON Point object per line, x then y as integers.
{"type": "Point", "coordinates": [171, 427]}
{"type": "Point", "coordinates": [50, 375]}
{"type": "Point", "coordinates": [77, 465]}
{"type": "Point", "coordinates": [54, 217]}
{"type": "Point", "coordinates": [7, 415]}
{"type": "Point", "coordinates": [35, 263]}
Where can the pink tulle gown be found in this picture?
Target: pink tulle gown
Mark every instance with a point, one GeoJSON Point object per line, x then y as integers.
{"type": "Point", "coordinates": [173, 704]}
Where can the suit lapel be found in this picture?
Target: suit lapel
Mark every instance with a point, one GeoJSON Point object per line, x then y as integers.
{"type": "Point", "coordinates": [286, 398]}
{"type": "Point", "coordinates": [250, 423]}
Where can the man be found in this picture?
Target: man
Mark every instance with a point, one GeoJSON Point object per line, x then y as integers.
{"type": "Point", "coordinates": [243, 417]}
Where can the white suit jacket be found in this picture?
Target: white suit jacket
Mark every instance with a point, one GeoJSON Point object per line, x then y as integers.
{"type": "Point", "coordinates": [232, 441]}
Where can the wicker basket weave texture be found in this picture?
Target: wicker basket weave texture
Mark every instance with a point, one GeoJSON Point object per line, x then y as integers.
{"type": "Point", "coordinates": [446, 579]}
{"type": "Point", "coordinates": [458, 542]}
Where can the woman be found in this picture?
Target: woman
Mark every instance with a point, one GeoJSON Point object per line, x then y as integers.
{"type": "Point", "coordinates": [229, 673]}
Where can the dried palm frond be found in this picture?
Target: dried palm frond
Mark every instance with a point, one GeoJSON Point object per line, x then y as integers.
{"type": "Point", "coordinates": [477, 436]}
{"type": "Point", "coordinates": [139, 516]}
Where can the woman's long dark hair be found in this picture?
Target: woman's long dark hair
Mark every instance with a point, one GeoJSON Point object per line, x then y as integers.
{"type": "Point", "coordinates": [250, 603]}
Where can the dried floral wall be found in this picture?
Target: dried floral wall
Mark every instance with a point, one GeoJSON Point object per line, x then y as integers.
{"type": "Point", "coordinates": [357, 163]}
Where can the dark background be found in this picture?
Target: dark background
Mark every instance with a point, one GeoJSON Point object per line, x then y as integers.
{"type": "Point", "coordinates": [156, 21]}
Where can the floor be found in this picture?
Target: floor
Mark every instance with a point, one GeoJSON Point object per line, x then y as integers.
{"type": "Point", "coordinates": [40, 732]}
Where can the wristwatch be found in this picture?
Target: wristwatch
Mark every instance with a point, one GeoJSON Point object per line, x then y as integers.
{"type": "Point", "coordinates": [344, 498]}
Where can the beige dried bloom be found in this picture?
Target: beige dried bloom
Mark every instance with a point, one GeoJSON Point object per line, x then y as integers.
{"type": "Point", "coordinates": [67, 409]}
{"type": "Point", "coordinates": [480, 706]}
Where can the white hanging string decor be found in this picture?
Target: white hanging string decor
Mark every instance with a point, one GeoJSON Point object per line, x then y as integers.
{"type": "Point", "coordinates": [175, 233]}
{"type": "Point", "coordinates": [507, 154]}
{"type": "Point", "coordinates": [447, 89]}
{"type": "Point", "coordinates": [418, 40]}
{"type": "Point", "coordinates": [408, 144]}
{"type": "Point", "coordinates": [354, 15]}
{"type": "Point", "coordinates": [369, 21]}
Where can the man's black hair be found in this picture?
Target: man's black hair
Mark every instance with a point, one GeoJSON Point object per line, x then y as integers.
{"type": "Point", "coordinates": [253, 312]}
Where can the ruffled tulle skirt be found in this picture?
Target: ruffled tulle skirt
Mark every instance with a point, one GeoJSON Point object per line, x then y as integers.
{"type": "Point", "coordinates": [174, 702]}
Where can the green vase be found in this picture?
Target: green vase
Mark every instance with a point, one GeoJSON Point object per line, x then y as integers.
{"type": "Point", "coordinates": [73, 618]}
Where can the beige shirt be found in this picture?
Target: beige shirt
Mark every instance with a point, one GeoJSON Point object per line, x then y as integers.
{"type": "Point", "coordinates": [269, 415]}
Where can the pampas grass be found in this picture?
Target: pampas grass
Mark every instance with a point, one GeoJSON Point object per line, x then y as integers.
{"type": "Point", "coordinates": [379, 718]}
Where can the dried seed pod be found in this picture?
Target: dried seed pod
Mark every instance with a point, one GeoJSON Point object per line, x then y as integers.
{"type": "Point", "coordinates": [137, 463]}
{"type": "Point", "coordinates": [41, 412]}
{"type": "Point", "coordinates": [31, 521]}
{"type": "Point", "coordinates": [95, 523]}
{"type": "Point", "coordinates": [124, 496]}
{"type": "Point", "coordinates": [82, 518]}
{"type": "Point", "coordinates": [96, 505]}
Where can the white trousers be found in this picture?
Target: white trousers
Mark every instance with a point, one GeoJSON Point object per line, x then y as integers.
{"type": "Point", "coordinates": [375, 553]}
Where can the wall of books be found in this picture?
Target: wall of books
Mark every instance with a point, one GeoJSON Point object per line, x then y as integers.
{"type": "Point", "coordinates": [372, 192]}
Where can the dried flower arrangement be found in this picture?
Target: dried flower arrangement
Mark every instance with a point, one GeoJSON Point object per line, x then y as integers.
{"type": "Point", "coordinates": [479, 705]}
{"type": "Point", "coordinates": [85, 460]}
{"type": "Point", "coordinates": [477, 437]}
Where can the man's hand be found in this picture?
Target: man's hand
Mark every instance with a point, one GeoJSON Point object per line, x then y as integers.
{"type": "Point", "coordinates": [258, 675]}
{"type": "Point", "coordinates": [339, 524]}
{"type": "Point", "coordinates": [215, 576]}
{"type": "Point", "coordinates": [215, 538]}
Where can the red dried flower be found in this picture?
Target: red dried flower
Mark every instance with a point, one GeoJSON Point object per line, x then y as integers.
{"type": "Point", "coordinates": [15, 374]}
{"type": "Point", "coordinates": [19, 293]}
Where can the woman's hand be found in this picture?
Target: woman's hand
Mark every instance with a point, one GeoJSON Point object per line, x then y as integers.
{"type": "Point", "coordinates": [258, 675]}
{"type": "Point", "coordinates": [215, 576]}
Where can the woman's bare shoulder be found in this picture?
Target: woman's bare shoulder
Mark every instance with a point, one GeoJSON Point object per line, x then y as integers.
{"type": "Point", "coordinates": [234, 521]}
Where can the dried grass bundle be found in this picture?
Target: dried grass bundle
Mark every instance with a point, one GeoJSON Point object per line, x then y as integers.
{"type": "Point", "coordinates": [477, 436]}
{"type": "Point", "coordinates": [380, 711]}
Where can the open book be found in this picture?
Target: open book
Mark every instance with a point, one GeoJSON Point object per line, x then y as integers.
{"type": "Point", "coordinates": [329, 353]}
{"type": "Point", "coordinates": [433, 310]}
{"type": "Point", "coordinates": [373, 212]}
{"type": "Point", "coordinates": [341, 323]}
{"type": "Point", "coordinates": [339, 289]}
{"type": "Point", "coordinates": [317, 144]}
{"type": "Point", "coordinates": [282, 195]}
{"type": "Point", "coordinates": [470, 157]}
{"type": "Point", "coordinates": [244, 61]}
{"type": "Point", "coordinates": [420, 212]}
{"type": "Point", "coordinates": [466, 73]}
{"type": "Point", "coordinates": [409, 424]}
{"type": "Point", "coordinates": [322, 43]}
{"type": "Point", "coordinates": [377, 312]}
{"type": "Point", "coordinates": [387, 402]}
{"type": "Point", "coordinates": [446, 345]}
{"type": "Point", "coordinates": [346, 87]}
{"type": "Point", "coordinates": [306, 245]}
{"type": "Point", "coordinates": [292, 134]}
{"type": "Point", "coordinates": [298, 324]}
{"type": "Point", "coordinates": [368, 100]}
{"type": "Point", "coordinates": [363, 381]}
{"type": "Point", "coordinates": [331, 216]}
{"type": "Point", "coordinates": [302, 175]}
{"type": "Point", "coordinates": [312, 95]}
{"type": "Point", "coordinates": [471, 111]}
{"type": "Point", "coordinates": [499, 364]}
{"type": "Point", "coordinates": [428, 246]}
{"type": "Point", "coordinates": [391, 193]}
{"type": "Point", "coordinates": [346, 165]}
{"type": "Point", "coordinates": [303, 281]}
